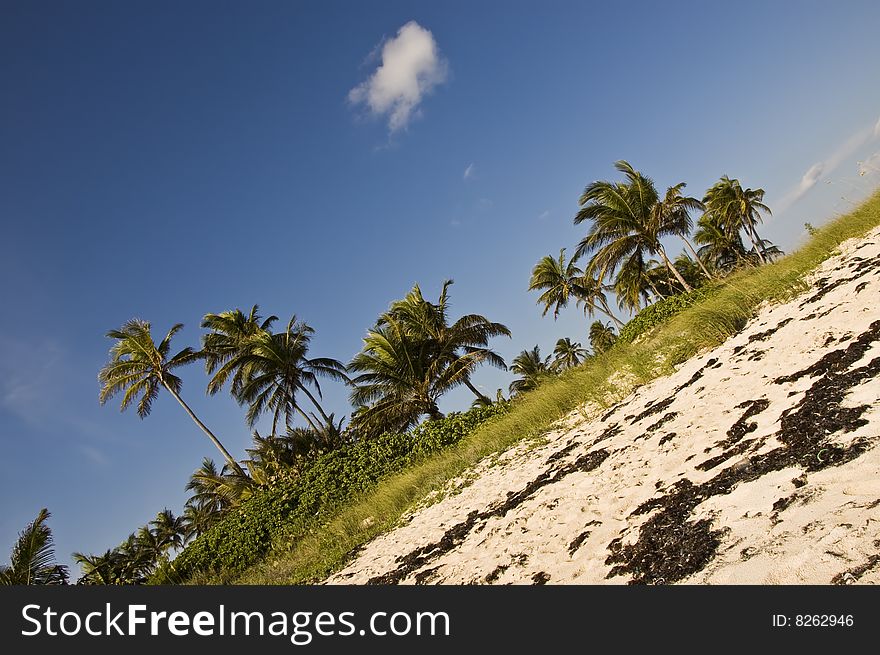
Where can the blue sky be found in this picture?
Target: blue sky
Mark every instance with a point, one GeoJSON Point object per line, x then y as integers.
{"type": "Point", "coordinates": [164, 160]}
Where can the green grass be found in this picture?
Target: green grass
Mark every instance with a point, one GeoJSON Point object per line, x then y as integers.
{"type": "Point", "coordinates": [602, 381]}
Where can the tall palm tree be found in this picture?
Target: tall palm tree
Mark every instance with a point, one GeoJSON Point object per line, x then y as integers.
{"type": "Point", "coordinates": [737, 209]}
{"type": "Point", "coordinates": [625, 218]}
{"type": "Point", "coordinates": [170, 530]}
{"type": "Point", "coordinates": [226, 343]}
{"type": "Point", "coordinates": [568, 354]}
{"type": "Point", "coordinates": [413, 356]}
{"type": "Point", "coordinates": [198, 519]}
{"type": "Point", "coordinates": [672, 215]}
{"type": "Point", "coordinates": [463, 345]}
{"type": "Point", "coordinates": [602, 337]}
{"type": "Point", "coordinates": [633, 284]}
{"type": "Point", "coordinates": [563, 281]}
{"type": "Point", "coordinates": [139, 368]}
{"type": "Point", "coordinates": [531, 368]}
{"type": "Point", "coordinates": [722, 250]}
{"type": "Point", "coordinates": [275, 369]}
{"type": "Point", "coordinates": [101, 569]}
{"type": "Point", "coordinates": [33, 557]}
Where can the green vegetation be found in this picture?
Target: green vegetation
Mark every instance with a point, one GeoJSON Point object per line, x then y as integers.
{"type": "Point", "coordinates": [306, 496]}
{"type": "Point", "coordinates": [33, 557]}
{"type": "Point", "coordinates": [601, 381]}
{"type": "Point", "coordinates": [288, 510]}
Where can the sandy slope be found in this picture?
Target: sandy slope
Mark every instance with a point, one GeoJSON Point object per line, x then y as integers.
{"type": "Point", "coordinates": [753, 463]}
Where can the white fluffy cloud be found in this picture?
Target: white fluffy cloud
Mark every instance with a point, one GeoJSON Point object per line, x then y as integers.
{"type": "Point", "coordinates": [411, 67]}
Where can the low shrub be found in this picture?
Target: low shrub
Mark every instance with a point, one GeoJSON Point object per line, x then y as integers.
{"type": "Point", "coordinates": [288, 510]}
{"type": "Point", "coordinates": [660, 312]}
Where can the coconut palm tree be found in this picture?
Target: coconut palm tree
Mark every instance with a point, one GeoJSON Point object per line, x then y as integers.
{"type": "Point", "coordinates": [563, 281]}
{"type": "Point", "coordinates": [737, 209]}
{"type": "Point", "coordinates": [567, 354]}
{"type": "Point", "coordinates": [226, 343]}
{"type": "Point", "coordinates": [139, 368]}
{"type": "Point", "coordinates": [99, 569]}
{"type": "Point", "coordinates": [32, 561]}
{"type": "Point", "coordinates": [274, 369]}
{"type": "Point", "coordinates": [672, 215]}
{"type": "Point", "coordinates": [216, 490]}
{"type": "Point", "coordinates": [602, 337]}
{"type": "Point", "coordinates": [633, 285]}
{"type": "Point", "coordinates": [464, 344]}
{"type": "Point", "coordinates": [412, 357]}
{"type": "Point", "coordinates": [722, 250]}
{"type": "Point", "coordinates": [170, 530]}
{"type": "Point", "coordinates": [625, 218]}
{"type": "Point", "coordinates": [531, 368]}
{"type": "Point", "coordinates": [198, 519]}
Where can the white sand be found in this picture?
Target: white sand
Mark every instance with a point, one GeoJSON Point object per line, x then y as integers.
{"type": "Point", "coordinates": [830, 527]}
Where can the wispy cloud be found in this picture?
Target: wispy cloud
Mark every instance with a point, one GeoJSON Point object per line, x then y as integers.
{"type": "Point", "coordinates": [94, 455]}
{"type": "Point", "coordinates": [825, 167]}
{"type": "Point", "coordinates": [28, 377]}
{"type": "Point", "coordinates": [469, 171]}
{"type": "Point", "coordinates": [543, 215]}
{"type": "Point", "coordinates": [411, 67]}
{"type": "Point", "coordinates": [871, 166]}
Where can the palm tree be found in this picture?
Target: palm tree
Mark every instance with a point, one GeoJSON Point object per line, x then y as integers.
{"type": "Point", "coordinates": [568, 354]}
{"type": "Point", "coordinates": [197, 519]}
{"type": "Point", "coordinates": [99, 569]}
{"type": "Point", "coordinates": [531, 368]}
{"type": "Point", "coordinates": [216, 490]}
{"type": "Point", "coordinates": [561, 282]}
{"type": "Point", "coordinates": [33, 557]}
{"type": "Point", "coordinates": [737, 209]}
{"type": "Point", "coordinates": [226, 343]}
{"type": "Point", "coordinates": [139, 368]}
{"type": "Point", "coordinates": [628, 218]}
{"type": "Point", "coordinates": [602, 337]}
{"type": "Point", "coordinates": [672, 215]}
{"type": "Point", "coordinates": [462, 345]}
{"type": "Point", "coordinates": [274, 369]}
{"type": "Point", "coordinates": [722, 250]}
{"type": "Point", "coordinates": [412, 356]}
{"type": "Point", "coordinates": [633, 283]}
{"type": "Point", "coordinates": [170, 530]}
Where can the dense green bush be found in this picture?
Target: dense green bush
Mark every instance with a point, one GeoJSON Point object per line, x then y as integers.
{"type": "Point", "coordinates": [660, 312]}
{"type": "Point", "coordinates": [288, 510]}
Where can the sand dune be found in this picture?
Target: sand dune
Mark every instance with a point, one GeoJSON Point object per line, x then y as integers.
{"type": "Point", "coordinates": [753, 463]}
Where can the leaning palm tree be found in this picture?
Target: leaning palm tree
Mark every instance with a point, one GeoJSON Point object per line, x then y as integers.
{"type": "Point", "coordinates": [626, 218]}
{"type": "Point", "coordinates": [33, 557]}
{"type": "Point", "coordinates": [274, 370]}
{"type": "Point", "coordinates": [226, 343]}
{"type": "Point", "coordinates": [722, 250]}
{"type": "Point", "coordinates": [568, 354]}
{"type": "Point", "coordinates": [602, 337]}
{"type": "Point", "coordinates": [462, 345]}
{"type": "Point", "coordinates": [633, 284]}
{"type": "Point", "coordinates": [531, 368]}
{"type": "Point", "coordinates": [737, 209]}
{"type": "Point", "coordinates": [216, 490]}
{"type": "Point", "coordinates": [413, 356]}
{"type": "Point", "coordinates": [563, 281]}
{"type": "Point", "coordinates": [170, 530]}
{"type": "Point", "coordinates": [139, 368]}
{"type": "Point", "coordinates": [672, 216]}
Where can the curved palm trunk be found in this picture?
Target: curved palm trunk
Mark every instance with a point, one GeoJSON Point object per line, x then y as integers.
{"type": "Point", "coordinates": [229, 458]}
{"type": "Point", "coordinates": [753, 237]}
{"type": "Point", "coordinates": [607, 312]}
{"type": "Point", "coordinates": [308, 420]}
{"type": "Point", "coordinates": [317, 406]}
{"type": "Point", "coordinates": [697, 258]}
{"type": "Point", "coordinates": [672, 268]}
{"type": "Point", "coordinates": [477, 392]}
{"type": "Point", "coordinates": [657, 294]}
